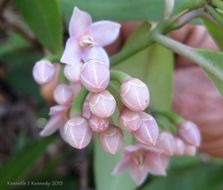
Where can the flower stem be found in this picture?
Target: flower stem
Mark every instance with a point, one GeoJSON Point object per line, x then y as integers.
{"type": "Point", "coordinates": [53, 58]}
{"type": "Point", "coordinates": [119, 76]}
{"type": "Point", "coordinates": [79, 101]}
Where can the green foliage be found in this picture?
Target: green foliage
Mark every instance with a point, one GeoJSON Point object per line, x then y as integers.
{"type": "Point", "coordinates": [19, 166]}
{"type": "Point", "coordinates": [44, 18]}
{"type": "Point", "coordinates": [197, 176]}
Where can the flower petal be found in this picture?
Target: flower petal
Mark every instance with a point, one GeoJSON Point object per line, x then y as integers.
{"type": "Point", "coordinates": [138, 174]}
{"type": "Point", "coordinates": [72, 52]}
{"type": "Point", "coordinates": [121, 165]}
{"type": "Point", "coordinates": [79, 21]}
{"type": "Point", "coordinates": [97, 53]}
{"type": "Point", "coordinates": [53, 124]}
{"type": "Point", "coordinates": [104, 32]}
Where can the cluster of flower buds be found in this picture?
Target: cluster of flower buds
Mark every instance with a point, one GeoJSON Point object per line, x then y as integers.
{"type": "Point", "coordinates": [85, 104]}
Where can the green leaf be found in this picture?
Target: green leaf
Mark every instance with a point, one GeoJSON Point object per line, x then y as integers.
{"type": "Point", "coordinates": [196, 177]}
{"type": "Point", "coordinates": [18, 167]}
{"type": "Point", "coordinates": [44, 18]}
{"type": "Point", "coordinates": [154, 66]}
{"type": "Point", "coordinates": [216, 32]}
{"type": "Point", "coordinates": [103, 166]}
{"type": "Point", "coordinates": [119, 9]}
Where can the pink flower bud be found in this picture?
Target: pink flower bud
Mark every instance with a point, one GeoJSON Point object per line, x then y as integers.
{"type": "Point", "coordinates": [111, 140]}
{"type": "Point", "coordinates": [72, 72]}
{"type": "Point", "coordinates": [63, 94]}
{"type": "Point", "coordinates": [148, 131]}
{"type": "Point", "coordinates": [77, 132]}
{"type": "Point", "coordinates": [130, 120]}
{"type": "Point", "coordinates": [43, 72]}
{"type": "Point", "coordinates": [98, 124]}
{"type": "Point", "coordinates": [190, 150]}
{"type": "Point", "coordinates": [76, 87]}
{"type": "Point", "coordinates": [166, 142]}
{"type": "Point", "coordinates": [102, 104]}
{"type": "Point", "coordinates": [179, 147]}
{"type": "Point", "coordinates": [95, 76]}
{"type": "Point", "coordinates": [135, 94]}
{"type": "Point", "coordinates": [190, 133]}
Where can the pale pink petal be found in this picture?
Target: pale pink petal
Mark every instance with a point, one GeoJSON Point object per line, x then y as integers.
{"type": "Point", "coordinates": [97, 53]}
{"type": "Point", "coordinates": [148, 131]}
{"type": "Point", "coordinates": [58, 109]}
{"type": "Point", "coordinates": [138, 173]}
{"type": "Point", "coordinates": [72, 52]}
{"type": "Point", "coordinates": [190, 150]}
{"type": "Point", "coordinates": [104, 32]}
{"type": "Point", "coordinates": [155, 164]}
{"type": "Point", "coordinates": [63, 94]}
{"type": "Point", "coordinates": [98, 124]}
{"type": "Point", "coordinates": [179, 147]}
{"type": "Point", "coordinates": [53, 124]}
{"type": "Point", "coordinates": [77, 132]}
{"type": "Point", "coordinates": [122, 165]}
{"type": "Point", "coordinates": [79, 21]}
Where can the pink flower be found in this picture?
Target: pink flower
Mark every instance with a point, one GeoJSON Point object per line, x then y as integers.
{"type": "Point", "coordinates": [98, 124]}
{"type": "Point", "coordinates": [43, 72]}
{"type": "Point", "coordinates": [87, 38]}
{"type": "Point", "coordinates": [102, 104]}
{"type": "Point", "coordinates": [190, 133]}
{"type": "Point", "coordinates": [95, 76]}
{"type": "Point", "coordinates": [63, 94]}
{"type": "Point", "coordinates": [148, 131]}
{"type": "Point", "coordinates": [135, 94]}
{"type": "Point", "coordinates": [57, 120]}
{"type": "Point", "coordinates": [190, 150]}
{"type": "Point", "coordinates": [77, 132]}
{"type": "Point", "coordinates": [111, 140]}
{"type": "Point", "coordinates": [130, 120]}
{"type": "Point", "coordinates": [141, 160]}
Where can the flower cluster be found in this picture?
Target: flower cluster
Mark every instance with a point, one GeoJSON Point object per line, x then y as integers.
{"type": "Point", "coordinates": [85, 103]}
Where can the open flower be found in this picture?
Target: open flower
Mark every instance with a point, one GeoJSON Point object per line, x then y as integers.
{"type": "Point", "coordinates": [87, 38]}
{"type": "Point", "coordinates": [57, 120]}
{"type": "Point", "coordinates": [141, 160]}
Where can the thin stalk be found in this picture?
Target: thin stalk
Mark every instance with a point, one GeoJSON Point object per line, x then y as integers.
{"type": "Point", "coordinates": [119, 76]}
{"type": "Point", "coordinates": [187, 52]}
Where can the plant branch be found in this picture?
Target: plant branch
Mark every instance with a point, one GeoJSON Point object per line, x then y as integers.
{"type": "Point", "coordinates": [187, 52]}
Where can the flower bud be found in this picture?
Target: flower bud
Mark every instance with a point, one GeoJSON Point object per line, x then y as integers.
{"type": "Point", "coordinates": [148, 131]}
{"type": "Point", "coordinates": [98, 124]}
{"type": "Point", "coordinates": [102, 104]}
{"type": "Point", "coordinates": [72, 72]}
{"type": "Point", "coordinates": [43, 72]}
{"type": "Point", "coordinates": [190, 150]}
{"type": "Point", "coordinates": [135, 94]}
{"type": "Point", "coordinates": [76, 87]}
{"type": "Point", "coordinates": [190, 133]}
{"type": "Point", "coordinates": [166, 142]}
{"type": "Point", "coordinates": [179, 147]}
{"type": "Point", "coordinates": [95, 76]}
{"type": "Point", "coordinates": [111, 140]}
{"type": "Point", "coordinates": [77, 132]}
{"type": "Point", "coordinates": [63, 94]}
{"type": "Point", "coordinates": [130, 120]}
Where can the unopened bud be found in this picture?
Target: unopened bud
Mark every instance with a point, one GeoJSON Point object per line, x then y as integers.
{"type": "Point", "coordinates": [102, 104]}
{"type": "Point", "coordinates": [72, 72]}
{"type": "Point", "coordinates": [63, 94]}
{"type": "Point", "coordinates": [179, 147]}
{"type": "Point", "coordinates": [166, 142]}
{"type": "Point", "coordinates": [98, 124]}
{"type": "Point", "coordinates": [43, 72]}
{"type": "Point", "coordinates": [95, 76]}
{"type": "Point", "coordinates": [135, 94]}
{"type": "Point", "coordinates": [111, 140]}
